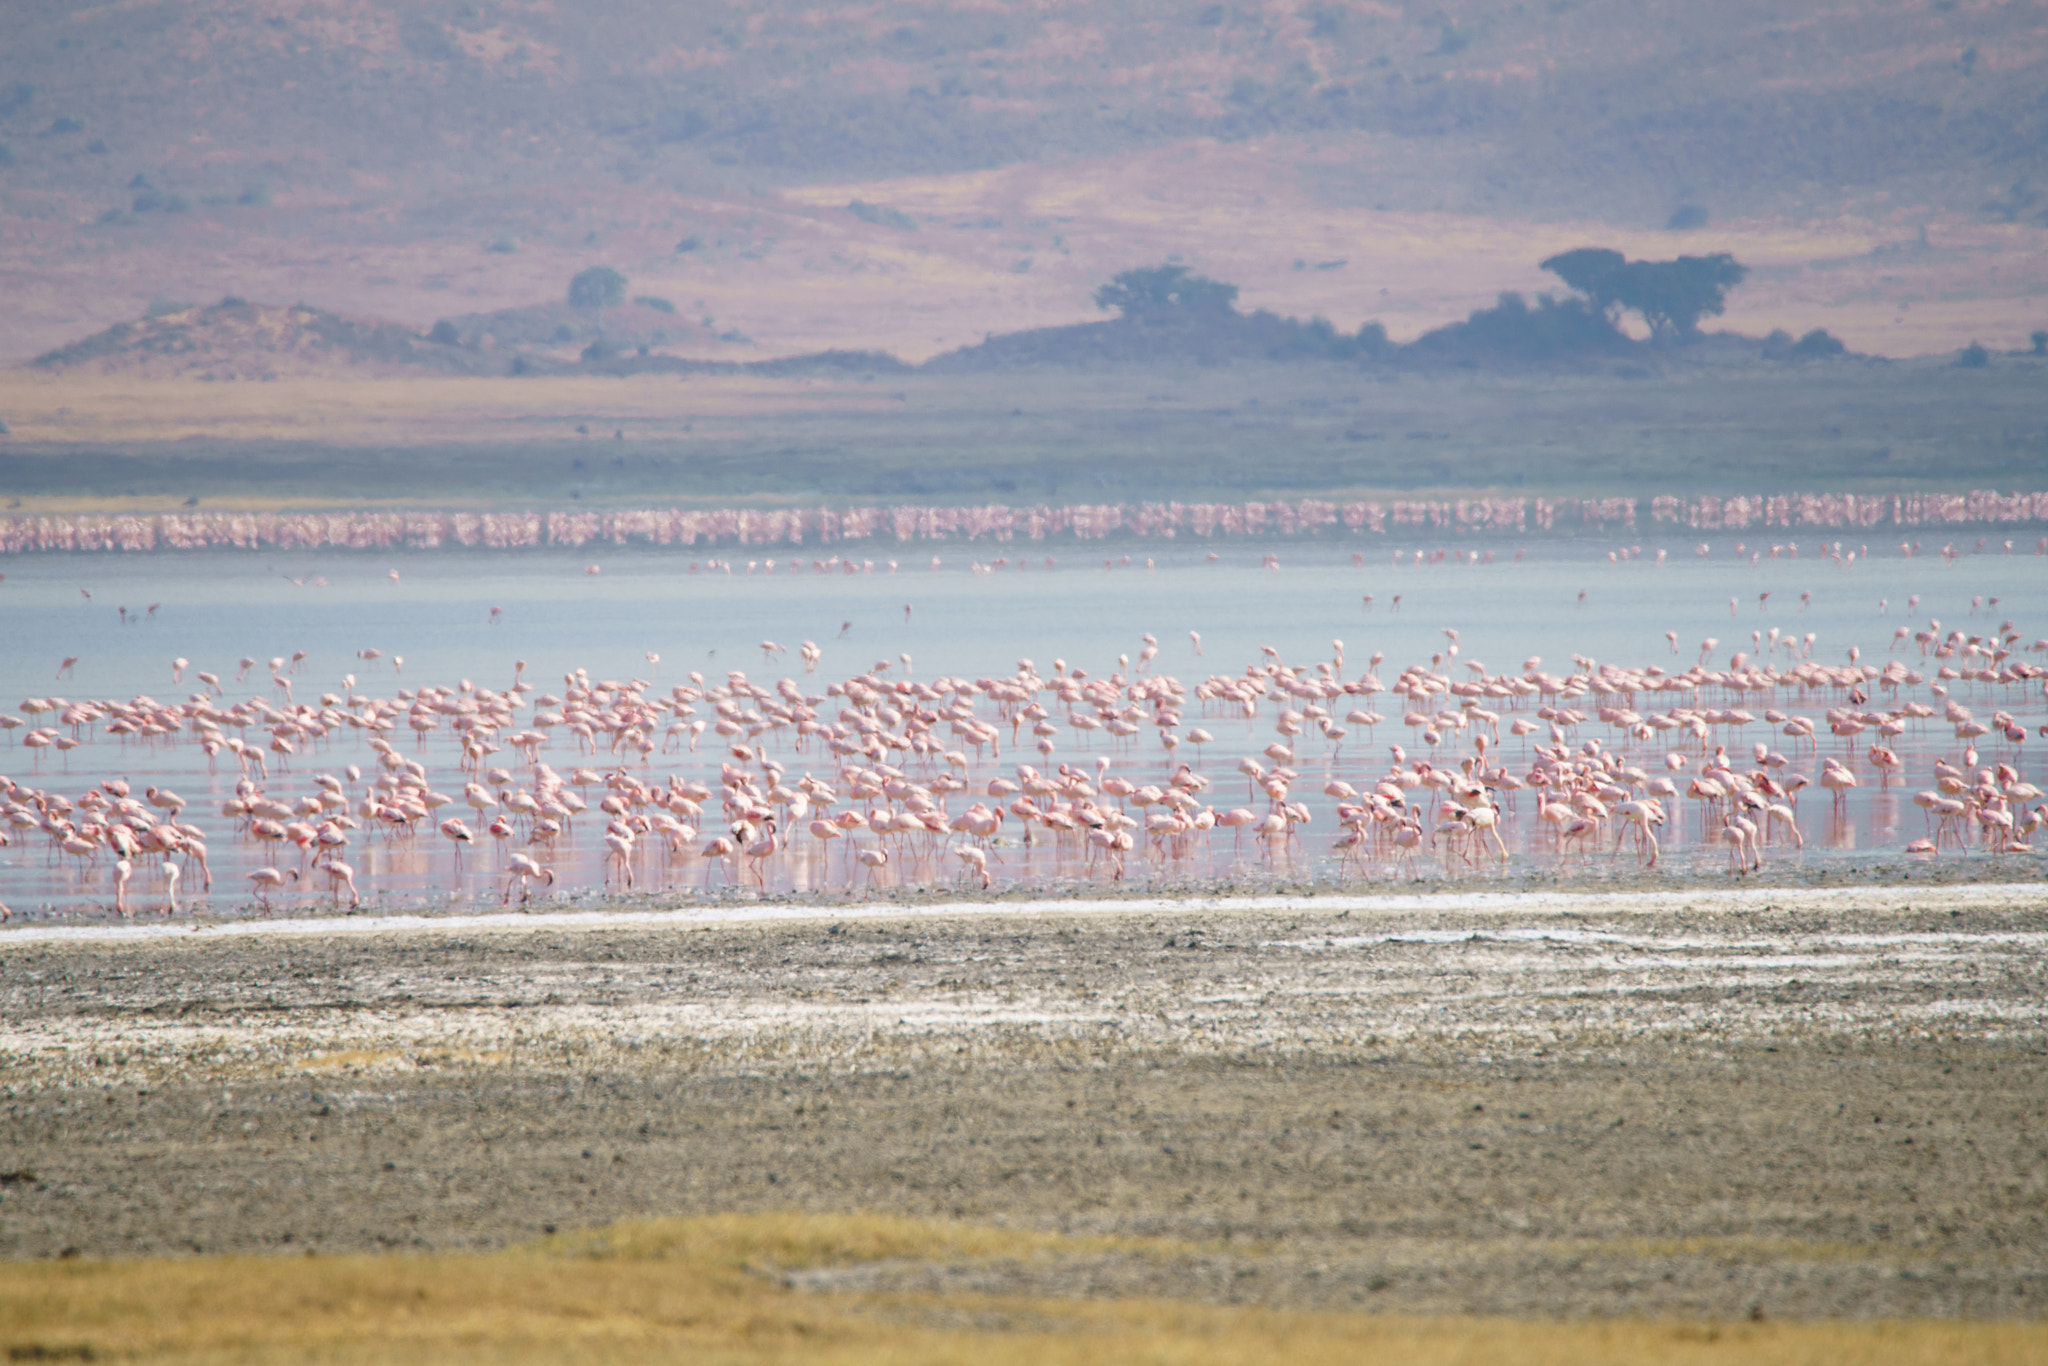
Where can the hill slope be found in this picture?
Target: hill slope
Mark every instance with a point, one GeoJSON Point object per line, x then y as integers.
{"type": "Point", "coordinates": [1627, 107]}
{"type": "Point", "coordinates": [236, 339]}
{"type": "Point", "coordinates": [421, 159]}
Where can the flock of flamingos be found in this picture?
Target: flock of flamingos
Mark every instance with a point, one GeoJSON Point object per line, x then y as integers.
{"type": "Point", "coordinates": [1330, 768]}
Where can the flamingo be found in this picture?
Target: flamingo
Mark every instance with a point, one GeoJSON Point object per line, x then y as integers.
{"type": "Point", "coordinates": [1484, 819]}
{"type": "Point", "coordinates": [874, 859]}
{"type": "Point", "coordinates": [123, 870]}
{"type": "Point", "coordinates": [618, 844]}
{"type": "Point", "coordinates": [459, 835]}
{"type": "Point", "coordinates": [763, 848]}
{"type": "Point", "coordinates": [524, 871]}
{"type": "Point", "coordinates": [1642, 817]}
{"type": "Point", "coordinates": [339, 875]}
{"type": "Point", "coordinates": [975, 861]}
{"type": "Point", "coordinates": [1743, 850]}
{"type": "Point", "coordinates": [264, 881]}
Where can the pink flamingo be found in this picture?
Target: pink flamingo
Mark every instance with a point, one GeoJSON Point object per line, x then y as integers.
{"type": "Point", "coordinates": [264, 881]}
{"type": "Point", "coordinates": [339, 875]}
{"type": "Point", "coordinates": [525, 870]}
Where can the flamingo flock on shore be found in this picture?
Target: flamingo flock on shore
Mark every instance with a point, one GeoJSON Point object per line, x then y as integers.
{"type": "Point", "coordinates": [1030, 776]}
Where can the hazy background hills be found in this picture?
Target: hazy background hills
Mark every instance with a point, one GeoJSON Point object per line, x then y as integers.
{"type": "Point", "coordinates": [1882, 165]}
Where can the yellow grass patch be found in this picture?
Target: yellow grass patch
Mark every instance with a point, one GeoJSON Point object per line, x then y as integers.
{"type": "Point", "coordinates": [82, 407]}
{"type": "Point", "coordinates": [694, 1290]}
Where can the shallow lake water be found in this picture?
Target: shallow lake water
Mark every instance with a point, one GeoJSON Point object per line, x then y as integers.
{"type": "Point", "coordinates": [975, 613]}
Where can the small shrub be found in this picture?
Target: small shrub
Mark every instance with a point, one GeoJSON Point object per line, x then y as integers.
{"type": "Point", "coordinates": [599, 287]}
{"type": "Point", "coordinates": [2040, 341]}
{"type": "Point", "coordinates": [161, 307]}
{"type": "Point", "coordinates": [689, 244]}
{"type": "Point", "coordinates": [1686, 218]}
{"type": "Point", "coordinates": [65, 125]}
{"type": "Point", "coordinates": [882, 216]}
{"type": "Point", "coordinates": [255, 197]}
{"type": "Point", "coordinates": [98, 147]}
{"type": "Point", "coordinates": [1818, 345]}
{"type": "Point", "coordinates": [502, 246]}
{"type": "Point", "coordinates": [156, 201]}
{"type": "Point", "coordinates": [564, 333]}
{"type": "Point", "coordinates": [444, 334]}
{"type": "Point", "coordinates": [658, 304]}
{"type": "Point", "coordinates": [1973, 357]}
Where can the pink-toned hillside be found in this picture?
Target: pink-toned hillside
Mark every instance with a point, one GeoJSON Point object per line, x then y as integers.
{"type": "Point", "coordinates": [1882, 165]}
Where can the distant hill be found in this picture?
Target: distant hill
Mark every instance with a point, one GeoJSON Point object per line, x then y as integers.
{"type": "Point", "coordinates": [651, 323]}
{"type": "Point", "coordinates": [1172, 317]}
{"type": "Point", "coordinates": [1626, 109]}
{"type": "Point", "coordinates": [236, 339]}
{"type": "Point", "coordinates": [1215, 339]}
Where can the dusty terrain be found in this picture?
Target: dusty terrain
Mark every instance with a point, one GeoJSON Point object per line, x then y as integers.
{"type": "Point", "coordinates": [788, 270]}
{"type": "Point", "coordinates": [92, 443]}
{"type": "Point", "coordinates": [1801, 1103]}
{"type": "Point", "coordinates": [1879, 164]}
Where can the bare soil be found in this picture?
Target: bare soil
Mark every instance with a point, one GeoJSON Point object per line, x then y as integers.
{"type": "Point", "coordinates": [1801, 1105]}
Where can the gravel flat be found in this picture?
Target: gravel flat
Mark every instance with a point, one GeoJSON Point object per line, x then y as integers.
{"type": "Point", "coordinates": [1786, 1102]}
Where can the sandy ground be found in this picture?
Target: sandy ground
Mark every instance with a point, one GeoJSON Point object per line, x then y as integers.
{"type": "Point", "coordinates": [1788, 1102]}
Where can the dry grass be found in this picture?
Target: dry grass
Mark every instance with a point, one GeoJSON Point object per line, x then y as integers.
{"type": "Point", "coordinates": [94, 444]}
{"type": "Point", "coordinates": [705, 1290]}
{"type": "Point", "coordinates": [94, 409]}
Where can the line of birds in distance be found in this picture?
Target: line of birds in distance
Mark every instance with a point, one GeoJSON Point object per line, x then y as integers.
{"type": "Point", "coordinates": [1479, 514]}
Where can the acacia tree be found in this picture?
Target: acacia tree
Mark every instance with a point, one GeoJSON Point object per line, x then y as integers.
{"type": "Point", "coordinates": [1594, 272]}
{"type": "Point", "coordinates": [597, 289]}
{"type": "Point", "coordinates": [1671, 296]}
{"type": "Point", "coordinates": [1159, 292]}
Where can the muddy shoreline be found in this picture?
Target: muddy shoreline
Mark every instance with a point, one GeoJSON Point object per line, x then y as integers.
{"type": "Point", "coordinates": [1601, 878]}
{"type": "Point", "coordinates": [1790, 1102]}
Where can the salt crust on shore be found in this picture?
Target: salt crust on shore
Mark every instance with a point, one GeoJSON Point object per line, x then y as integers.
{"type": "Point", "coordinates": [1972, 896]}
